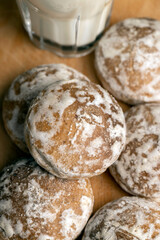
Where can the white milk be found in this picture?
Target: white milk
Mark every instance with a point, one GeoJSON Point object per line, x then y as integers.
{"type": "Point", "coordinates": [69, 22]}
{"type": "Point", "coordinates": [67, 27]}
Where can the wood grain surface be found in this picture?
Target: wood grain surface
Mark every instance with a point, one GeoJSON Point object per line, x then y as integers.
{"type": "Point", "coordinates": [18, 54]}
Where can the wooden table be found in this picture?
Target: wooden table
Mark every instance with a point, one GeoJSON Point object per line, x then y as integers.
{"type": "Point", "coordinates": [18, 54]}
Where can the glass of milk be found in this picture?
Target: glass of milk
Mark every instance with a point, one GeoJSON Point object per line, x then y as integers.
{"type": "Point", "coordinates": [69, 28]}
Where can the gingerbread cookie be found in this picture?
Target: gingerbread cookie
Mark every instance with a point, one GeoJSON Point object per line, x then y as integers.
{"type": "Point", "coordinates": [24, 89]}
{"type": "Point", "coordinates": [138, 168]}
{"type": "Point", "coordinates": [127, 60]}
{"type": "Point", "coordinates": [75, 129]}
{"type": "Point", "coordinates": [36, 205]}
{"type": "Point", "coordinates": [128, 218]}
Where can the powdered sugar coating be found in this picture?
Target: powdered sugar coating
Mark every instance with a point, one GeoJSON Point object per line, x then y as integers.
{"type": "Point", "coordinates": [75, 129]}
{"type": "Point", "coordinates": [24, 89]}
{"type": "Point", "coordinates": [138, 168]}
{"type": "Point", "coordinates": [128, 218]}
{"type": "Point", "coordinates": [127, 60]}
{"type": "Point", "coordinates": [35, 204]}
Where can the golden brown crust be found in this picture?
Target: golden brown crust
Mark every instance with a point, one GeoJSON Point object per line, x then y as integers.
{"type": "Point", "coordinates": [36, 205]}
{"type": "Point", "coordinates": [127, 60]}
{"type": "Point", "coordinates": [128, 218]}
{"type": "Point", "coordinates": [138, 168]}
{"type": "Point", "coordinates": [24, 89]}
{"type": "Point", "coordinates": [75, 129]}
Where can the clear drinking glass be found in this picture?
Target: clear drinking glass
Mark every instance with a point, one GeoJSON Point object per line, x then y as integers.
{"type": "Point", "coordinates": [70, 28]}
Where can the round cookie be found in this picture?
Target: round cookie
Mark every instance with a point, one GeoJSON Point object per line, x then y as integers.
{"type": "Point", "coordinates": [138, 169]}
{"type": "Point", "coordinates": [75, 129]}
{"type": "Point", "coordinates": [127, 60]}
{"type": "Point", "coordinates": [24, 89]}
{"type": "Point", "coordinates": [36, 205]}
{"type": "Point", "coordinates": [128, 218]}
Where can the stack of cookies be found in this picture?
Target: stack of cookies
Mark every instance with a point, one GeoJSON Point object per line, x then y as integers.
{"type": "Point", "coordinates": [127, 63]}
{"type": "Point", "coordinates": [73, 129]}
